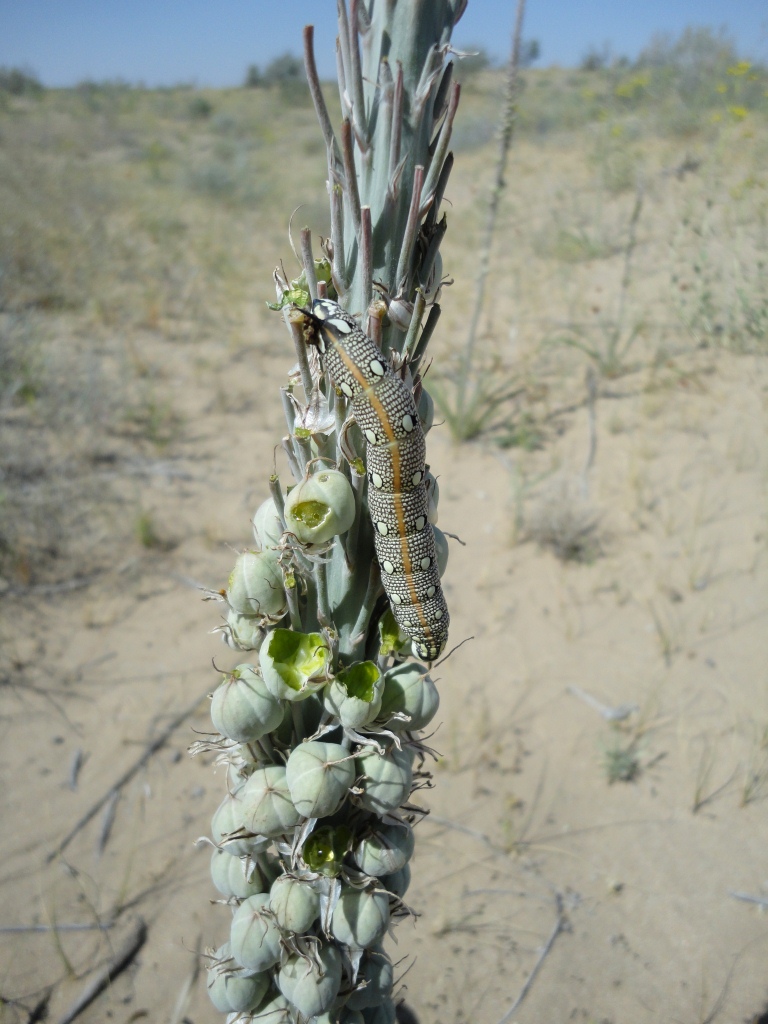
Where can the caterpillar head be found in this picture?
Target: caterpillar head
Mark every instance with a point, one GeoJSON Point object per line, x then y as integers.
{"type": "Point", "coordinates": [328, 318]}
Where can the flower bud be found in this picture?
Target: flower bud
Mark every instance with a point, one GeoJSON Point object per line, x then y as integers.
{"type": "Point", "coordinates": [319, 776]}
{"type": "Point", "coordinates": [441, 548]}
{"type": "Point", "coordinates": [320, 507]}
{"type": "Point", "coordinates": [354, 696]}
{"type": "Point", "coordinates": [267, 528]}
{"type": "Point", "coordinates": [255, 937]}
{"type": "Point", "coordinates": [231, 991]}
{"type": "Point", "coordinates": [374, 979]}
{"type": "Point", "coordinates": [384, 850]}
{"type": "Point", "coordinates": [294, 664]}
{"type": "Point", "coordinates": [294, 903]}
{"type": "Point", "coordinates": [311, 987]}
{"type": "Point", "coordinates": [240, 877]}
{"type": "Point", "coordinates": [360, 917]}
{"type": "Point", "coordinates": [242, 708]}
{"type": "Point", "coordinates": [255, 585]}
{"type": "Point", "coordinates": [409, 690]}
{"type": "Point", "coordinates": [266, 805]}
{"type": "Point", "coordinates": [386, 781]}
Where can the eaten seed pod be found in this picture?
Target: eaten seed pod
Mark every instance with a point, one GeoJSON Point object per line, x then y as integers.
{"type": "Point", "coordinates": [267, 528]}
{"type": "Point", "coordinates": [409, 690]}
{"type": "Point", "coordinates": [386, 849]}
{"type": "Point", "coordinates": [255, 585]}
{"type": "Point", "coordinates": [294, 664]}
{"type": "Point", "coordinates": [354, 696]}
{"type": "Point", "coordinates": [242, 708]}
{"type": "Point", "coordinates": [360, 917]}
{"type": "Point", "coordinates": [325, 849]}
{"type": "Point", "coordinates": [255, 937]}
{"type": "Point", "coordinates": [311, 987]}
{"type": "Point", "coordinates": [294, 903]}
{"type": "Point", "coordinates": [319, 776]}
{"type": "Point", "coordinates": [386, 780]}
{"type": "Point", "coordinates": [320, 507]}
{"type": "Point", "coordinates": [231, 991]}
{"type": "Point", "coordinates": [374, 979]}
{"type": "Point", "coordinates": [266, 804]}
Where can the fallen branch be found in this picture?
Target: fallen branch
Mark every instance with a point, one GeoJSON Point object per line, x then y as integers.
{"type": "Point", "coordinates": [126, 777]}
{"type": "Point", "coordinates": [122, 959]}
{"type": "Point", "coordinates": [558, 927]}
{"type": "Point", "coordinates": [14, 929]}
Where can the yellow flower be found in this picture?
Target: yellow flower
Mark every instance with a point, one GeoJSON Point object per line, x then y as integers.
{"type": "Point", "coordinates": [739, 113]}
{"type": "Point", "coordinates": [740, 69]}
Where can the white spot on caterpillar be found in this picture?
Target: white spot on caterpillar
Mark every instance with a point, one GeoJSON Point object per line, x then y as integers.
{"type": "Point", "coordinates": [346, 389]}
{"type": "Point", "coordinates": [407, 423]}
{"type": "Point", "coordinates": [425, 564]}
{"type": "Point", "coordinates": [377, 368]}
{"type": "Point", "coordinates": [438, 614]}
{"type": "Point", "coordinates": [416, 478]}
{"type": "Point", "coordinates": [371, 436]}
{"type": "Point", "coordinates": [395, 599]}
{"type": "Point", "coordinates": [376, 481]}
{"type": "Point", "coordinates": [321, 312]}
{"type": "Point", "coordinates": [421, 522]}
{"type": "Point", "coordinates": [382, 528]}
{"type": "Point", "coordinates": [431, 593]}
{"type": "Point", "coordinates": [341, 326]}
{"type": "Point", "coordinates": [387, 566]}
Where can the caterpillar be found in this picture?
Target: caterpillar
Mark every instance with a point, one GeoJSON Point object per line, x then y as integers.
{"type": "Point", "coordinates": [384, 408]}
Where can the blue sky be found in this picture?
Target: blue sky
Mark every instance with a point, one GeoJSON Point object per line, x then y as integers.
{"type": "Point", "coordinates": [211, 42]}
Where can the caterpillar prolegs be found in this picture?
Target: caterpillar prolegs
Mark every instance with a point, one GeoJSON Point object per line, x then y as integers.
{"type": "Point", "coordinates": [385, 411]}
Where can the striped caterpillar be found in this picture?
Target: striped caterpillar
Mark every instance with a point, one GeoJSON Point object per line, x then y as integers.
{"type": "Point", "coordinates": [385, 411]}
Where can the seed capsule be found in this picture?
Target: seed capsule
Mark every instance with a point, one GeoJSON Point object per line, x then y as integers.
{"type": "Point", "coordinates": [294, 664]}
{"type": "Point", "coordinates": [310, 987]}
{"type": "Point", "coordinates": [294, 903]}
{"type": "Point", "coordinates": [255, 585]}
{"type": "Point", "coordinates": [426, 410]}
{"type": "Point", "coordinates": [409, 690]}
{"type": "Point", "coordinates": [240, 877]}
{"type": "Point", "coordinates": [441, 548]}
{"type": "Point", "coordinates": [275, 1009]}
{"type": "Point", "coordinates": [375, 979]}
{"type": "Point", "coordinates": [384, 1013]}
{"type": "Point", "coordinates": [320, 507]}
{"type": "Point", "coordinates": [227, 822]}
{"type": "Point", "coordinates": [255, 937]}
{"type": "Point", "coordinates": [385, 850]}
{"type": "Point", "coordinates": [360, 918]}
{"type": "Point", "coordinates": [242, 708]}
{"type": "Point", "coordinates": [267, 528]}
{"type": "Point", "coordinates": [397, 883]}
{"type": "Point", "coordinates": [354, 696]}
{"type": "Point", "coordinates": [319, 776]}
{"type": "Point", "coordinates": [266, 805]}
{"type": "Point", "coordinates": [232, 991]}
{"type": "Point", "coordinates": [386, 781]}
{"type": "Point", "coordinates": [245, 632]}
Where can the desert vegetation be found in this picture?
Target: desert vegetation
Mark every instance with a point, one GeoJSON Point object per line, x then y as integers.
{"type": "Point", "coordinates": [603, 763]}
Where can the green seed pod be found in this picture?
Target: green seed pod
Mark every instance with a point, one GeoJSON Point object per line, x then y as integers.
{"type": "Point", "coordinates": [397, 883]}
{"type": "Point", "coordinates": [354, 696]}
{"type": "Point", "coordinates": [228, 819]}
{"type": "Point", "coordinates": [255, 585]}
{"type": "Point", "coordinates": [242, 708]}
{"type": "Point", "coordinates": [240, 877]}
{"type": "Point", "coordinates": [311, 988]}
{"type": "Point", "coordinates": [384, 1013]}
{"type": "Point", "coordinates": [409, 690]}
{"type": "Point", "coordinates": [267, 528]}
{"type": "Point", "coordinates": [266, 804]}
{"type": "Point", "coordinates": [375, 977]}
{"type": "Point", "coordinates": [343, 1016]}
{"type": "Point", "coordinates": [319, 776]}
{"type": "Point", "coordinates": [245, 632]}
{"type": "Point", "coordinates": [255, 937]}
{"type": "Point", "coordinates": [232, 991]}
{"type": "Point", "coordinates": [385, 850]}
{"type": "Point", "coordinates": [441, 547]}
{"type": "Point", "coordinates": [294, 665]}
{"type": "Point", "coordinates": [325, 850]}
{"type": "Point", "coordinates": [320, 507]}
{"type": "Point", "coordinates": [360, 918]}
{"type": "Point", "coordinates": [294, 903]}
{"type": "Point", "coordinates": [433, 497]}
{"type": "Point", "coordinates": [275, 1009]}
{"type": "Point", "coordinates": [386, 781]}
{"type": "Point", "coordinates": [426, 410]}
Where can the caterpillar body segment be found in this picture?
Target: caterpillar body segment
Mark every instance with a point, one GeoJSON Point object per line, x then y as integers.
{"type": "Point", "coordinates": [384, 408]}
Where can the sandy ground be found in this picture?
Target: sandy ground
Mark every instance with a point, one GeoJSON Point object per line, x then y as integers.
{"type": "Point", "coordinates": [632, 882]}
